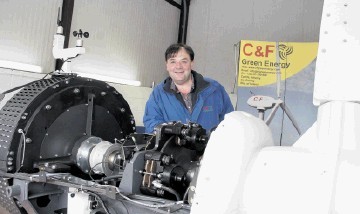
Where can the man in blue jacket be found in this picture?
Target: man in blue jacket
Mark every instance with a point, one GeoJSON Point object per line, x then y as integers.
{"type": "Point", "coordinates": [186, 95]}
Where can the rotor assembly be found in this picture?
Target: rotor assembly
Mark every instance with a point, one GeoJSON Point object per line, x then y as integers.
{"type": "Point", "coordinates": [54, 124]}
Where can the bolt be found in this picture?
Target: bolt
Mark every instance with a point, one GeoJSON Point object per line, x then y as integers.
{"type": "Point", "coordinates": [103, 93]}
{"type": "Point", "coordinates": [76, 91]}
{"type": "Point", "coordinates": [166, 159]}
{"type": "Point", "coordinates": [48, 107]}
{"type": "Point", "coordinates": [72, 195]}
{"type": "Point", "coordinates": [122, 110]}
{"type": "Point", "coordinates": [28, 140]}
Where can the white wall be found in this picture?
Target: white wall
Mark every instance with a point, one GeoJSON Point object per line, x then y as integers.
{"type": "Point", "coordinates": [215, 26]}
{"type": "Point", "coordinates": [127, 39]}
{"type": "Point", "coordinates": [26, 31]}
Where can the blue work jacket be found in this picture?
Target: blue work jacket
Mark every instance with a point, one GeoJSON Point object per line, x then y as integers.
{"type": "Point", "coordinates": [211, 105]}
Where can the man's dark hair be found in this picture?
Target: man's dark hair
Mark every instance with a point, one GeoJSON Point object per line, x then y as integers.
{"type": "Point", "coordinates": [174, 48]}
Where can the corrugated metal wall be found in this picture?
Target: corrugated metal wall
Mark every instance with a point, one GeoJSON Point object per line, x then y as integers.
{"type": "Point", "coordinates": [215, 26]}
{"type": "Point", "coordinates": [127, 39]}
{"type": "Point", "coordinates": [26, 31]}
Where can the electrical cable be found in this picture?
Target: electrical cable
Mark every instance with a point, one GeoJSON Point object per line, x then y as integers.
{"type": "Point", "coordinates": [63, 62]}
{"type": "Point", "coordinates": [99, 200]}
{"type": "Point", "coordinates": [2, 95]}
{"type": "Point", "coordinates": [92, 179]}
{"type": "Point", "coordinates": [148, 205]}
{"type": "Point", "coordinates": [149, 142]}
{"type": "Point", "coordinates": [186, 194]}
{"type": "Point", "coordinates": [24, 146]}
{"type": "Point", "coordinates": [21, 86]}
{"type": "Point", "coordinates": [172, 191]}
{"type": "Point", "coordinates": [110, 177]}
{"type": "Point", "coordinates": [159, 185]}
{"type": "Point", "coordinates": [47, 75]}
{"type": "Point", "coordinates": [127, 211]}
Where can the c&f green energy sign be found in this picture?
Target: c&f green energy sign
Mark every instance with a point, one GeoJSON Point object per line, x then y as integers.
{"type": "Point", "coordinates": [260, 61]}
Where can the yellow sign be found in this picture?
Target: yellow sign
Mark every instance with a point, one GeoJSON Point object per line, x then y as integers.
{"type": "Point", "coordinates": [261, 61]}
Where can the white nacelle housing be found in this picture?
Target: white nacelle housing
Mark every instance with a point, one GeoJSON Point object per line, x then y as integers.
{"type": "Point", "coordinates": [320, 173]}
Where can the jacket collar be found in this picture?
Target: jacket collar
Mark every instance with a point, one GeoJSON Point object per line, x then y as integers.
{"type": "Point", "coordinates": [199, 83]}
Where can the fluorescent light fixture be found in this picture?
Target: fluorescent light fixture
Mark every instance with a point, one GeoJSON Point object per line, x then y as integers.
{"type": "Point", "coordinates": [110, 79]}
{"type": "Point", "coordinates": [20, 66]}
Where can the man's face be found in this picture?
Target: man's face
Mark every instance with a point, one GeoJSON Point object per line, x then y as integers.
{"type": "Point", "coordinates": [179, 67]}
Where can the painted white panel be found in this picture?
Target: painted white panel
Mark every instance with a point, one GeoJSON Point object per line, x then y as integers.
{"type": "Point", "coordinates": [336, 68]}
{"type": "Point", "coordinates": [127, 39]}
{"type": "Point", "coordinates": [219, 188]}
{"type": "Point", "coordinates": [26, 31]}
